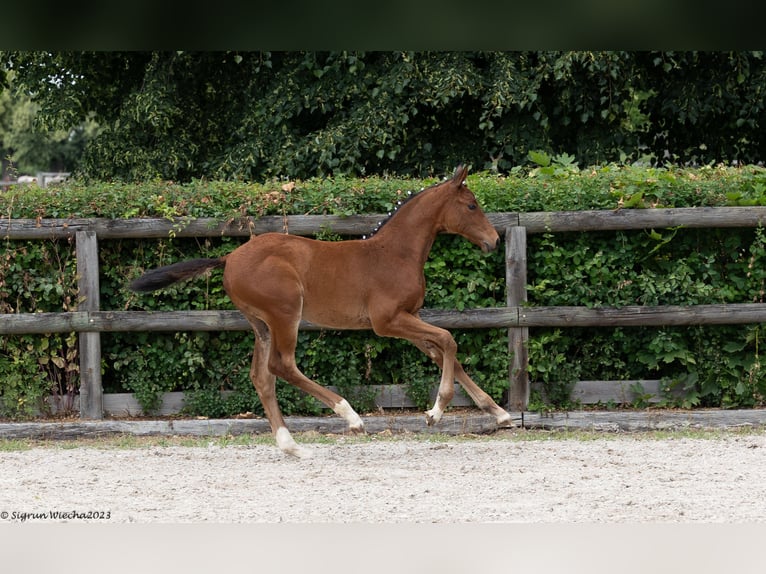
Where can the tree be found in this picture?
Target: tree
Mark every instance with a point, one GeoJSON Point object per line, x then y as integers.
{"type": "Point", "coordinates": [29, 149]}
{"type": "Point", "coordinates": [253, 115]}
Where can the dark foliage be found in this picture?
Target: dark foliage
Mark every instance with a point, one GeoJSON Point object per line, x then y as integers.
{"type": "Point", "coordinates": [252, 115]}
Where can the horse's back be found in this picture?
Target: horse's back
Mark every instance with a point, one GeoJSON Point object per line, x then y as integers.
{"type": "Point", "coordinates": [302, 254]}
{"type": "Point", "coordinates": [321, 281]}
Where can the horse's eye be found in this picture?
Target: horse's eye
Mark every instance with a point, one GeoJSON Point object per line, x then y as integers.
{"type": "Point", "coordinates": [471, 206]}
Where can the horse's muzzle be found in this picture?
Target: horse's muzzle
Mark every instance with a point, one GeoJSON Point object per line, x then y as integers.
{"type": "Point", "coordinates": [489, 247]}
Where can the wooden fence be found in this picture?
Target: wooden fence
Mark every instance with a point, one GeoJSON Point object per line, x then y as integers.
{"type": "Point", "coordinates": [89, 320]}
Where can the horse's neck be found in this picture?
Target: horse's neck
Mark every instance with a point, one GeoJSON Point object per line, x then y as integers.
{"type": "Point", "coordinates": [412, 230]}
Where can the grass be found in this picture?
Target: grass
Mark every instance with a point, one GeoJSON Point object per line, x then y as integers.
{"type": "Point", "coordinates": [127, 441]}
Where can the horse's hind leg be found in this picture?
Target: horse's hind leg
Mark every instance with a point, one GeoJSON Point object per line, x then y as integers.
{"type": "Point", "coordinates": [282, 364]}
{"type": "Point", "coordinates": [265, 385]}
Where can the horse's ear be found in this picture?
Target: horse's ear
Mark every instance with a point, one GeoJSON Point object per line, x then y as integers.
{"type": "Point", "coordinates": [460, 174]}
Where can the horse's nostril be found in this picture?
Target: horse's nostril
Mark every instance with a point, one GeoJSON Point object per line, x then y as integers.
{"type": "Point", "coordinates": [488, 246]}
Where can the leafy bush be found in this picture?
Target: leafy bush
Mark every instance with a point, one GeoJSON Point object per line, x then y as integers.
{"type": "Point", "coordinates": [705, 366]}
{"type": "Point", "coordinates": [37, 276]}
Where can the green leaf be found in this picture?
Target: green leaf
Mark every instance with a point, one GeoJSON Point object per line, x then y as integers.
{"type": "Point", "coordinates": [540, 158]}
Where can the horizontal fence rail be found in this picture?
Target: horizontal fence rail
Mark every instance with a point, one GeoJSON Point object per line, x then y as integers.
{"type": "Point", "coordinates": [89, 320]}
{"type": "Point", "coordinates": [533, 222]}
{"type": "Point", "coordinates": [487, 318]}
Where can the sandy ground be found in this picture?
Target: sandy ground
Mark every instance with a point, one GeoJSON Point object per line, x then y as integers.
{"type": "Point", "coordinates": [621, 478]}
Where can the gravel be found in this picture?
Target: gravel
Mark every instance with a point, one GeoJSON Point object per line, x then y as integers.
{"type": "Point", "coordinates": [608, 478]}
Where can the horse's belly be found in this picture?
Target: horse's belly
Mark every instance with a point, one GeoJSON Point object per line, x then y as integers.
{"type": "Point", "coordinates": [337, 318]}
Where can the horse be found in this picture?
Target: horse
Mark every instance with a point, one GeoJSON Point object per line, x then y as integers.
{"type": "Point", "coordinates": [376, 282]}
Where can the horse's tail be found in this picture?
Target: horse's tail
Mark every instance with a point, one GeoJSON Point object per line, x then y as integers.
{"type": "Point", "coordinates": [164, 276]}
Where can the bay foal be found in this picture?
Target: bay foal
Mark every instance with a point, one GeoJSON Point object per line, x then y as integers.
{"type": "Point", "coordinates": [376, 283]}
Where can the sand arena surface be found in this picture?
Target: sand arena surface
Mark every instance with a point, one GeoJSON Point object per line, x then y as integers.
{"type": "Point", "coordinates": [612, 478]}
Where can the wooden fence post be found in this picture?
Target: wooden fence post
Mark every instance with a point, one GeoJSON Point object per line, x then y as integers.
{"type": "Point", "coordinates": [91, 392]}
{"type": "Point", "coordinates": [516, 281]}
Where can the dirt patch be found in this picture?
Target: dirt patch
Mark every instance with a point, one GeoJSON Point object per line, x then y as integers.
{"type": "Point", "coordinates": [618, 478]}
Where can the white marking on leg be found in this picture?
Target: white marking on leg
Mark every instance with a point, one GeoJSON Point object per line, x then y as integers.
{"type": "Point", "coordinates": [287, 444]}
{"type": "Point", "coordinates": [435, 414]}
{"type": "Point", "coordinates": [505, 419]}
{"type": "Point", "coordinates": [443, 397]}
{"type": "Point", "coordinates": [345, 410]}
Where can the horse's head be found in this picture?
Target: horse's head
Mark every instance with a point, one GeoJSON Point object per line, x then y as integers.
{"type": "Point", "coordinates": [463, 216]}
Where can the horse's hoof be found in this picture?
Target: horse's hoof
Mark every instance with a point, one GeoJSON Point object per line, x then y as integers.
{"type": "Point", "coordinates": [299, 452]}
{"type": "Point", "coordinates": [432, 418]}
{"type": "Point", "coordinates": [357, 430]}
{"type": "Point", "coordinates": [505, 421]}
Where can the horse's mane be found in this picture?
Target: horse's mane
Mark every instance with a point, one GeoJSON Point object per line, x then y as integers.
{"type": "Point", "coordinates": [399, 204]}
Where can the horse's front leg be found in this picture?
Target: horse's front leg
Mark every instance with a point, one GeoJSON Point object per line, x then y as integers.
{"type": "Point", "coordinates": [437, 344]}
{"type": "Point", "coordinates": [446, 389]}
{"type": "Point", "coordinates": [477, 394]}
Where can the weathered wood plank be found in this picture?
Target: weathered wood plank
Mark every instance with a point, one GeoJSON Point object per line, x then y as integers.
{"type": "Point", "coordinates": [502, 221]}
{"type": "Point", "coordinates": [451, 424]}
{"type": "Point", "coordinates": [624, 219]}
{"type": "Point", "coordinates": [725, 314]}
{"type": "Point", "coordinates": [617, 392]}
{"type": "Point", "coordinates": [518, 337]}
{"type": "Point", "coordinates": [487, 318]}
{"type": "Point", "coordinates": [454, 424]}
{"type": "Point", "coordinates": [88, 293]}
{"type": "Point", "coordinates": [43, 323]}
{"type": "Point", "coordinates": [395, 396]}
{"type": "Point", "coordinates": [122, 405]}
{"type": "Point", "coordinates": [172, 321]}
{"type": "Point", "coordinates": [612, 392]}
{"type": "Point", "coordinates": [126, 405]}
{"type": "Point", "coordinates": [646, 420]}
{"type": "Point", "coordinates": [139, 228]}
{"type": "Point", "coordinates": [357, 225]}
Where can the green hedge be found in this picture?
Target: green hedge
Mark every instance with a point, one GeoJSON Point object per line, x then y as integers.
{"type": "Point", "coordinates": [702, 366]}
